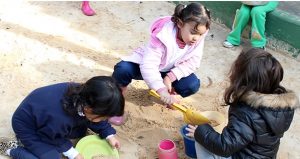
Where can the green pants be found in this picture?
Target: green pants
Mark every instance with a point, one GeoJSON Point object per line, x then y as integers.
{"type": "Point", "coordinates": [258, 16]}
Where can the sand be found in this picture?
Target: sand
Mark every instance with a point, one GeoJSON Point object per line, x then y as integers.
{"type": "Point", "coordinates": [43, 43]}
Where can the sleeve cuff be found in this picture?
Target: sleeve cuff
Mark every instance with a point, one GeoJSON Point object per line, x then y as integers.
{"type": "Point", "coordinates": [71, 153]}
{"type": "Point", "coordinates": [109, 136]}
{"type": "Point", "coordinates": [172, 76]}
{"type": "Point", "coordinates": [164, 89]}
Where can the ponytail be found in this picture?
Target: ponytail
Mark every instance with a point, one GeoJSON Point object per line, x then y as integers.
{"type": "Point", "coordinates": [195, 12]}
{"type": "Point", "coordinates": [72, 102]}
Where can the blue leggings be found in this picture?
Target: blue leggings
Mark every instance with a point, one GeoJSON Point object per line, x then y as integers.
{"type": "Point", "coordinates": [125, 71]}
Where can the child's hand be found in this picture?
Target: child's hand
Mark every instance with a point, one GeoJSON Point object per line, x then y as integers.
{"type": "Point", "coordinates": [166, 97]}
{"type": "Point", "coordinates": [114, 142]}
{"type": "Point", "coordinates": [79, 156]}
{"type": "Point", "coordinates": [191, 130]}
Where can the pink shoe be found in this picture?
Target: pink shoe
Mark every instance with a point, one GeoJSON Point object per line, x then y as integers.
{"type": "Point", "coordinates": [86, 9]}
{"type": "Point", "coordinates": [117, 120]}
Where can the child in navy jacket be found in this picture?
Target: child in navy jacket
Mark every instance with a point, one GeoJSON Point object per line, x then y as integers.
{"type": "Point", "coordinates": [50, 116]}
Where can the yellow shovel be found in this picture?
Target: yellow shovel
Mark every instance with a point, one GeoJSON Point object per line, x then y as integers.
{"type": "Point", "coordinates": [189, 116]}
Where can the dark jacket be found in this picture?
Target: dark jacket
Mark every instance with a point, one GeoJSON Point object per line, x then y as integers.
{"type": "Point", "coordinates": [255, 126]}
{"type": "Point", "coordinates": [44, 128]}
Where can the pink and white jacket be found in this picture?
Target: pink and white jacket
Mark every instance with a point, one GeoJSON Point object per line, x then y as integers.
{"type": "Point", "coordinates": [155, 56]}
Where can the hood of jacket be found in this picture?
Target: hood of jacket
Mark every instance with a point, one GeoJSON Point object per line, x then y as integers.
{"type": "Point", "coordinates": [274, 108]}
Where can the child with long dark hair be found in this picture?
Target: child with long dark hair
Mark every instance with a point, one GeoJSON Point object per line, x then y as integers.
{"type": "Point", "coordinates": [261, 110]}
{"type": "Point", "coordinates": [50, 116]}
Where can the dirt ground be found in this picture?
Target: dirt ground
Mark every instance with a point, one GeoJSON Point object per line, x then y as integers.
{"type": "Point", "coordinates": [42, 43]}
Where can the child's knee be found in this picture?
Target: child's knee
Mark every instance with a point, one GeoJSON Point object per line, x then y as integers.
{"type": "Point", "coordinates": [121, 68]}
{"type": "Point", "coordinates": [190, 88]}
{"type": "Point", "coordinates": [194, 86]}
{"type": "Point", "coordinates": [124, 72]}
{"type": "Point", "coordinates": [257, 12]}
{"type": "Point", "coordinates": [244, 13]}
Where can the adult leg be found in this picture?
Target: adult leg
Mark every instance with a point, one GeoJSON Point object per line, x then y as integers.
{"type": "Point", "coordinates": [241, 21]}
{"type": "Point", "coordinates": [258, 15]}
{"type": "Point", "coordinates": [187, 86]}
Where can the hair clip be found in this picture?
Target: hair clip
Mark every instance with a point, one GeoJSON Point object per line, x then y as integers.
{"type": "Point", "coordinates": [206, 9]}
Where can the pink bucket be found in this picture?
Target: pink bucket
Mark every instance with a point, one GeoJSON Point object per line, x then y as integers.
{"type": "Point", "coordinates": [167, 150]}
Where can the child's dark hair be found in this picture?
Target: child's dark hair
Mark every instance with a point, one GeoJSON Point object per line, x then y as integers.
{"type": "Point", "coordinates": [101, 93]}
{"type": "Point", "coordinates": [254, 70]}
{"type": "Point", "coordinates": [195, 12]}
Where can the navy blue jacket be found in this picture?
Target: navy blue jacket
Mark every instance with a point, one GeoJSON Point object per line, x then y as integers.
{"type": "Point", "coordinates": [44, 127]}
